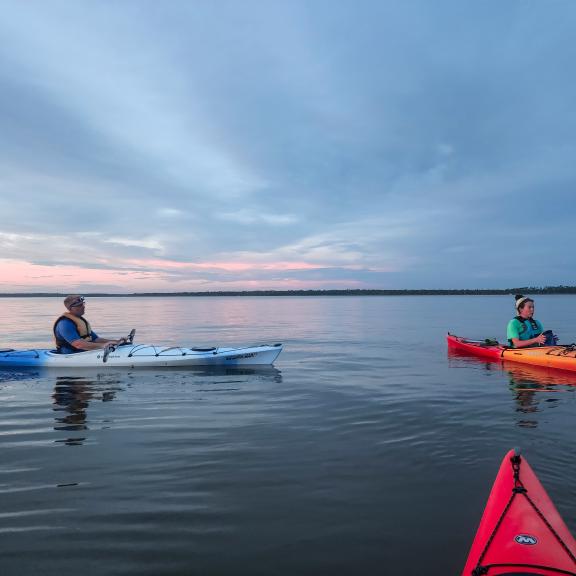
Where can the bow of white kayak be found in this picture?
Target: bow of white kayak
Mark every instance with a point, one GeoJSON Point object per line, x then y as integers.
{"type": "Point", "coordinates": [143, 356]}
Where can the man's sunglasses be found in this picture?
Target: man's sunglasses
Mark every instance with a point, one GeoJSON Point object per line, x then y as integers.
{"type": "Point", "coordinates": [79, 302]}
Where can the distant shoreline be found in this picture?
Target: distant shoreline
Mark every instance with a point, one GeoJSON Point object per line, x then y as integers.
{"type": "Point", "coordinates": [252, 293]}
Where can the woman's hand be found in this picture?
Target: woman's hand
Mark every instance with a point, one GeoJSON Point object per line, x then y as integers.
{"type": "Point", "coordinates": [540, 339]}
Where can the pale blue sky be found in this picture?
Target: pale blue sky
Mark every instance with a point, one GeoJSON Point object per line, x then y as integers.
{"type": "Point", "coordinates": [195, 145]}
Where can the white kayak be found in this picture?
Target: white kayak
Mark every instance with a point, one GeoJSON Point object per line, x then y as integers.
{"type": "Point", "coordinates": [142, 356]}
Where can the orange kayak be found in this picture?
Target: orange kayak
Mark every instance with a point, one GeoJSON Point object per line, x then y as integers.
{"type": "Point", "coordinates": [521, 532]}
{"type": "Point", "coordinates": [560, 357]}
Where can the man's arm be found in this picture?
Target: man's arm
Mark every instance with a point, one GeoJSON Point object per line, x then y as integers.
{"type": "Point", "coordinates": [81, 344]}
{"type": "Point", "coordinates": [70, 333]}
{"type": "Point", "coordinates": [97, 345]}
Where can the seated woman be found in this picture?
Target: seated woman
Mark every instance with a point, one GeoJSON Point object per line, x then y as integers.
{"type": "Point", "coordinates": [524, 330]}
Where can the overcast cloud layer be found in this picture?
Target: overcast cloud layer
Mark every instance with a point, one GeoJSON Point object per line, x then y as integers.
{"type": "Point", "coordinates": [218, 145]}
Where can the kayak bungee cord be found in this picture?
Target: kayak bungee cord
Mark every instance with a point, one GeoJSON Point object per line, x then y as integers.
{"type": "Point", "coordinates": [568, 348]}
{"type": "Point", "coordinates": [519, 488]}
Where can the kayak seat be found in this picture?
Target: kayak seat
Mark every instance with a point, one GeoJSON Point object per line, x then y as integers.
{"type": "Point", "coordinates": [7, 350]}
{"type": "Point", "coordinates": [204, 349]}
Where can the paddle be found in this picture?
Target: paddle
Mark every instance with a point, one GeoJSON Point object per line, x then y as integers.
{"type": "Point", "coordinates": [111, 346]}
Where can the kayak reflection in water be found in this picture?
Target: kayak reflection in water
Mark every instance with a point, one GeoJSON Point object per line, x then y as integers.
{"type": "Point", "coordinates": [73, 332]}
{"type": "Point", "coordinates": [527, 399]}
{"type": "Point", "coordinates": [72, 396]}
{"type": "Point", "coordinates": [524, 330]}
{"type": "Point", "coordinates": [536, 388]}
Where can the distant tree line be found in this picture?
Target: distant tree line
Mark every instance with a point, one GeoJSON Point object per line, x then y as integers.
{"type": "Point", "coordinates": [352, 292]}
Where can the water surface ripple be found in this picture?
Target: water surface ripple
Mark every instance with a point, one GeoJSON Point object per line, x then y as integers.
{"type": "Point", "coordinates": [366, 448]}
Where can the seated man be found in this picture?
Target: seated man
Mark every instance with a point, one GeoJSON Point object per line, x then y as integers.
{"type": "Point", "coordinates": [73, 332]}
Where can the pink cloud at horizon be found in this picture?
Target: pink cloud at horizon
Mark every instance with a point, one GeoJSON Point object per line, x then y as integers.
{"type": "Point", "coordinates": [21, 276]}
{"type": "Point", "coordinates": [228, 266]}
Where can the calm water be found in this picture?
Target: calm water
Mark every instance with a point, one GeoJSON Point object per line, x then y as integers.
{"type": "Point", "coordinates": [366, 449]}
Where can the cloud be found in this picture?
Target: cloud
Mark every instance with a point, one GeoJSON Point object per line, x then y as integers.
{"type": "Point", "coordinates": [133, 102]}
{"type": "Point", "coordinates": [251, 217]}
{"type": "Point", "coordinates": [171, 212]}
{"type": "Point", "coordinates": [250, 144]}
{"type": "Point", "coordinates": [149, 244]}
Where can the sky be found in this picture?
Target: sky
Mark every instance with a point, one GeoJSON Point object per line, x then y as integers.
{"type": "Point", "coordinates": [306, 144]}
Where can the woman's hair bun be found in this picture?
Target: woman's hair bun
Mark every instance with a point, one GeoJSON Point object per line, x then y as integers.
{"type": "Point", "coordinates": [518, 297]}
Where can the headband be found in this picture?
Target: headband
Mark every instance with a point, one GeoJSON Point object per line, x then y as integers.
{"type": "Point", "coordinates": [521, 301]}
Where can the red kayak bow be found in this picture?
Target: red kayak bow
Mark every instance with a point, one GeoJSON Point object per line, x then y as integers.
{"type": "Point", "coordinates": [521, 532]}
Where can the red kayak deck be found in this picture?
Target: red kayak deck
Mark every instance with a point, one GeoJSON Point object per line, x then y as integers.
{"type": "Point", "coordinates": [561, 357]}
{"type": "Point", "coordinates": [475, 347]}
{"type": "Point", "coordinates": [521, 532]}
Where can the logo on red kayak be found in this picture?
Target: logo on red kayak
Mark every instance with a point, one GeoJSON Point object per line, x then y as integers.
{"type": "Point", "coordinates": [526, 539]}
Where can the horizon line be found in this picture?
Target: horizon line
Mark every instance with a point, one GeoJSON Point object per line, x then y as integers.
{"type": "Point", "coordinates": [312, 292]}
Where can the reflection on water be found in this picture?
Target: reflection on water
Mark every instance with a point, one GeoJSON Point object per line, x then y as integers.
{"type": "Point", "coordinates": [533, 385]}
{"type": "Point", "coordinates": [72, 396]}
{"type": "Point", "coordinates": [323, 468]}
{"type": "Point", "coordinates": [10, 375]}
{"type": "Point", "coordinates": [530, 385]}
{"type": "Point", "coordinates": [75, 395]}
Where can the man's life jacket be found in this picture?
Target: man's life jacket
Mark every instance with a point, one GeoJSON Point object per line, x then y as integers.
{"type": "Point", "coordinates": [82, 325]}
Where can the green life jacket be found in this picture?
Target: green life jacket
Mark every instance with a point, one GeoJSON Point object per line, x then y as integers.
{"type": "Point", "coordinates": [532, 327]}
